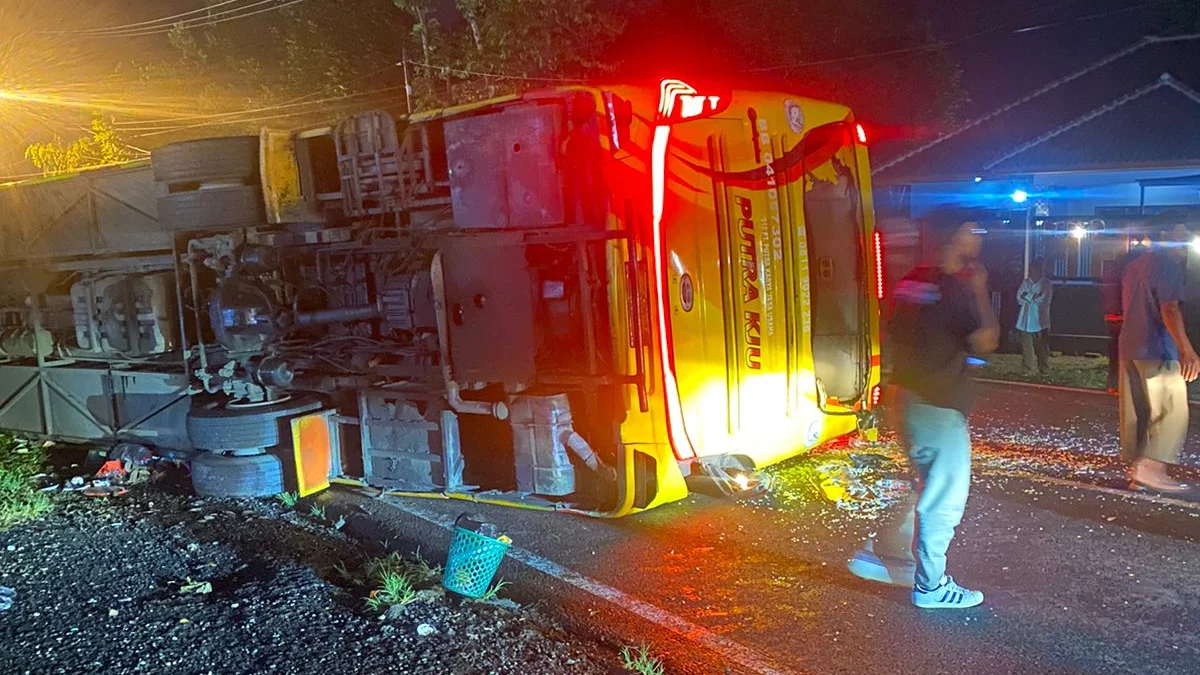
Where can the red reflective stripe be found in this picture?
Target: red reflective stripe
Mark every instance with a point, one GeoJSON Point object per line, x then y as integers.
{"type": "Point", "coordinates": [878, 265]}
{"type": "Point", "coordinates": [676, 432]}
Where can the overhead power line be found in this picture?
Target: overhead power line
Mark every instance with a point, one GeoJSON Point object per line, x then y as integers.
{"type": "Point", "coordinates": [141, 24]}
{"type": "Point", "coordinates": [246, 120]}
{"type": "Point", "coordinates": [1089, 17]}
{"type": "Point", "coordinates": [251, 111]}
{"type": "Point", "coordinates": [499, 76]}
{"type": "Point", "coordinates": [234, 14]}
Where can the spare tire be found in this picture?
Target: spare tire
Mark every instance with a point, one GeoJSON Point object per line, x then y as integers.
{"type": "Point", "coordinates": [233, 159]}
{"type": "Point", "coordinates": [217, 427]}
{"type": "Point", "coordinates": [212, 208]}
{"type": "Point", "coordinates": [253, 476]}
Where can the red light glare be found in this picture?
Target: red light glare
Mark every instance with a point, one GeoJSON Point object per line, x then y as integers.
{"type": "Point", "coordinates": [878, 265]}
{"type": "Point", "coordinates": [680, 442]}
{"type": "Point", "coordinates": [862, 133]}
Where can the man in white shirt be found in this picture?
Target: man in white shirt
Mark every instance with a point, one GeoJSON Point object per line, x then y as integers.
{"type": "Point", "coordinates": [1033, 321]}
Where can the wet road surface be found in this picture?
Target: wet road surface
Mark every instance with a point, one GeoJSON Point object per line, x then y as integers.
{"type": "Point", "coordinates": [1080, 576]}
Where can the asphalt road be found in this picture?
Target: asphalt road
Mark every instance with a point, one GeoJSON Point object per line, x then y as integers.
{"type": "Point", "coordinates": [1080, 575]}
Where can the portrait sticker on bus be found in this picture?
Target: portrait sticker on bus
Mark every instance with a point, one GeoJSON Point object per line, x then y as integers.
{"type": "Point", "coordinates": [795, 116]}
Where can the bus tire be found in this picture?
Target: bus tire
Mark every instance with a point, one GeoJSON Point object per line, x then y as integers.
{"type": "Point", "coordinates": [216, 475]}
{"type": "Point", "coordinates": [207, 160]}
{"type": "Point", "coordinates": [216, 427]}
{"type": "Point", "coordinates": [212, 208]}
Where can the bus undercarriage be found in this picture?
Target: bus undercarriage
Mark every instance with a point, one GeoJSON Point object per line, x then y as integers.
{"type": "Point", "coordinates": [436, 292]}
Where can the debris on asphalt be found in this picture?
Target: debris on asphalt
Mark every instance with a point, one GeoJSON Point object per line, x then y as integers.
{"type": "Point", "coordinates": [263, 594]}
{"type": "Point", "coordinates": [858, 485]}
{"type": "Point", "coordinates": [196, 587]}
{"type": "Point", "coordinates": [7, 597]}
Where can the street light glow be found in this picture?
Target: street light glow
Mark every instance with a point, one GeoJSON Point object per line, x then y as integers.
{"type": "Point", "coordinates": [1019, 196]}
{"type": "Point", "coordinates": [1079, 232]}
{"type": "Point", "coordinates": [1196, 244]}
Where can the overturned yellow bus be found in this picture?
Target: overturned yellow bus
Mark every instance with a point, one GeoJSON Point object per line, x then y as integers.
{"type": "Point", "coordinates": [582, 299]}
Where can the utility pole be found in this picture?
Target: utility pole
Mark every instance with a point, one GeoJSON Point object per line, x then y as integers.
{"type": "Point", "coordinates": [1028, 238]}
{"type": "Point", "coordinates": [407, 86]}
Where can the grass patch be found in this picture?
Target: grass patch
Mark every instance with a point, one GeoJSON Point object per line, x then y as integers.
{"type": "Point", "coordinates": [395, 590]}
{"type": "Point", "coordinates": [424, 567]}
{"type": "Point", "coordinates": [20, 500]}
{"type": "Point", "coordinates": [638, 660]}
{"type": "Point", "coordinates": [288, 499]}
{"type": "Point", "coordinates": [1084, 372]}
{"type": "Point", "coordinates": [493, 593]}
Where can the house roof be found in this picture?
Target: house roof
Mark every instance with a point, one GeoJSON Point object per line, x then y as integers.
{"type": "Point", "coordinates": [1133, 107]}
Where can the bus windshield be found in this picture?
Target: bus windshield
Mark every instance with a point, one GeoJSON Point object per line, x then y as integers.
{"type": "Point", "coordinates": [834, 223]}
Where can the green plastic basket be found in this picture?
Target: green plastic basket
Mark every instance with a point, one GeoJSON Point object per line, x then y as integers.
{"type": "Point", "coordinates": [472, 563]}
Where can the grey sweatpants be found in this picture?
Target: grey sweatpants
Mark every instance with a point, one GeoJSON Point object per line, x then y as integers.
{"type": "Point", "coordinates": [1154, 410]}
{"type": "Point", "coordinates": [939, 448]}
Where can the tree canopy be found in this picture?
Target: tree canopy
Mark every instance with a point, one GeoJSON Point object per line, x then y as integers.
{"type": "Point", "coordinates": [100, 147]}
{"type": "Point", "coordinates": [320, 59]}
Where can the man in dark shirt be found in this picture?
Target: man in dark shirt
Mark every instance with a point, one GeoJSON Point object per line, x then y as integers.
{"type": "Point", "coordinates": [1157, 359]}
{"type": "Point", "coordinates": [1110, 293]}
{"type": "Point", "coordinates": [942, 314]}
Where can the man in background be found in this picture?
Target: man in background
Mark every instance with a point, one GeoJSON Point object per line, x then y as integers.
{"type": "Point", "coordinates": [1033, 319]}
{"type": "Point", "coordinates": [942, 314]}
{"type": "Point", "coordinates": [1157, 359]}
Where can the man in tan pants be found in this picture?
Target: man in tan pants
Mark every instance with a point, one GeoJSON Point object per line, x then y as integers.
{"type": "Point", "coordinates": [1157, 361]}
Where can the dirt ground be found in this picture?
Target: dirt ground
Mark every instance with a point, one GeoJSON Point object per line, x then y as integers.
{"type": "Point", "coordinates": [102, 587]}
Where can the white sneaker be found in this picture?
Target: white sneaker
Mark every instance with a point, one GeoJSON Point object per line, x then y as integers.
{"type": "Point", "coordinates": [948, 595]}
{"type": "Point", "coordinates": [866, 565]}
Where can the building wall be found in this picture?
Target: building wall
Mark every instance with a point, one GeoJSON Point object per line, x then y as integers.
{"type": "Point", "coordinates": [1057, 205]}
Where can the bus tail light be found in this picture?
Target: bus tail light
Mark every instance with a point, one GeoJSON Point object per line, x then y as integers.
{"type": "Point", "coordinates": [876, 395]}
{"type": "Point", "coordinates": [878, 265]}
{"type": "Point", "coordinates": [861, 133]}
{"type": "Point", "coordinates": [679, 101]}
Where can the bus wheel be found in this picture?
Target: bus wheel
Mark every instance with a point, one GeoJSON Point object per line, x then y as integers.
{"type": "Point", "coordinates": [207, 160]}
{"type": "Point", "coordinates": [212, 208]}
{"type": "Point", "coordinates": [224, 426]}
{"type": "Point", "coordinates": [216, 475]}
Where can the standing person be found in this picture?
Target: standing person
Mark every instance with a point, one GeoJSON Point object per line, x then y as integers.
{"type": "Point", "coordinates": [1110, 292]}
{"type": "Point", "coordinates": [1157, 360]}
{"type": "Point", "coordinates": [1033, 320]}
{"type": "Point", "coordinates": [942, 313]}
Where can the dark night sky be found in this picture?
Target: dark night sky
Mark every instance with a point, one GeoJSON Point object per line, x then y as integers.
{"type": "Point", "coordinates": [1001, 66]}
